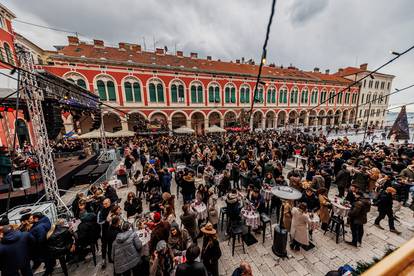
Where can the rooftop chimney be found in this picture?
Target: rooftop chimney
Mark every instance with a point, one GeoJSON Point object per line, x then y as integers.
{"type": "Point", "coordinates": [179, 53]}
{"type": "Point", "coordinates": [98, 43]}
{"type": "Point", "coordinates": [364, 66]}
{"type": "Point", "coordinates": [122, 45]}
{"type": "Point", "coordinates": [73, 40]}
{"type": "Point", "coordinates": [237, 60]}
{"type": "Point", "coordinates": [159, 51]}
{"type": "Point", "coordinates": [208, 57]}
{"type": "Point", "coordinates": [316, 70]}
{"type": "Point", "coordinates": [136, 48]}
{"type": "Point", "coordinates": [193, 55]}
{"type": "Point", "coordinates": [327, 71]}
{"type": "Point", "coordinates": [340, 70]}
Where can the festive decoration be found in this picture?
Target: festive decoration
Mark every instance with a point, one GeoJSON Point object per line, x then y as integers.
{"type": "Point", "coordinates": [400, 127]}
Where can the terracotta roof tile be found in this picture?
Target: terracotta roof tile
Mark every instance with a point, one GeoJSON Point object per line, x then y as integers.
{"type": "Point", "coordinates": [150, 58]}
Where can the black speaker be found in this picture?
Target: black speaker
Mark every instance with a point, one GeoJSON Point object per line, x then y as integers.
{"type": "Point", "coordinates": [53, 118]}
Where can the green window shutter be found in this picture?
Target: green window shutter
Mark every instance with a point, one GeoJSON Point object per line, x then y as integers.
{"type": "Point", "coordinates": [200, 94]}
{"type": "Point", "coordinates": [217, 94]}
{"type": "Point", "coordinates": [285, 96]}
{"type": "Point", "coordinates": [152, 93]}
{"type": "Point", "coordinates": [273, 96]}
{"type": "Point", "coordinates": [227, 94]}
{"type": "Point", "coordinates": [81, 83]}
{"type": "Point", "coordinates": [211, 94]}
{"type": "Point", "coordinates": [137, 92]}
{"type": "Point", "coordinates": [1, 55]}
{"type": "Point", "coordinates": [247, 95]}
{"type": "Point", "coordinates": [181, 93]}
{"type": "Point", "coordinates": [233, 95]}
{"type": "Point", "coordinates": [101, 90]}
{"type": "Point", "coordinates": [111, 91]}
{"type": "Point", "coordinates": [9, 54]}
{"type": "Point", "coordinates": [128, 92]}
{"type": "Point", "coordinates": [269, 96]}
{"type": "Point", "coordinates": [281, 96]}
{"type": "Point", "coordinates": [160, 93]}
{"type": "Point", "coordinates": [173, 93]}
{"type": "Point", "coordinates": [193, 94]}
{"type": "Point", "coordinates": [242, 95]}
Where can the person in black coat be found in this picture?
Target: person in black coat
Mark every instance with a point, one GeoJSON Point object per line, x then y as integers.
{"type": "Point", "coordinates": [14, 252]}
{"type": "Point", "coordinates": [191, 267]}
{"type": "Point", "coordinates": [59, 244]}
{"type": "Point", "coordinates": [113, 231]}
{"type": "Point", "coordinates": [311, 200]}
{"type": "Point", "coordinates": [103, 221]}
{"type": "Point", "coordinates": [87, 234]}
{"type": "Point", "coordinates": [343, 180]}
{"type": "Point", "coordinates": [384, 203]}
{"type": "Point", "coordinates": [110, 192]}
{"type": "Point", "coordinates": [132, 205]}
{"type": "Point", "coordinates": [211, 251]}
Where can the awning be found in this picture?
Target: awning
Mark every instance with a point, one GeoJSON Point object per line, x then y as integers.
{"type": "Point", "coordinates": [184, 130]}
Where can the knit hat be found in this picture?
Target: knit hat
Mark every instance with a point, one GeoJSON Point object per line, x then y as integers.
{"type": "Point", "coordinates": [175, 225]}
{"type": "Point", "coordinates": [161, 245]}
{"type": "Point", "coordinates": [157, 216]}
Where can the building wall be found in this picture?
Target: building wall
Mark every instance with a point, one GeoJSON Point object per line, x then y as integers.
{"type": "Point", "coordinates": [274, 112]}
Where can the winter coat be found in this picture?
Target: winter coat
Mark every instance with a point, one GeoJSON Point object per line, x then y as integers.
{"type": "Point", "coordinates": [343, 178]}
{"type": "Point", "coordinates": [126, 251]}
{"type": "Point", "coordinates": [359, 211]}
{"type": "Point", "coordinates": [39, 230]}
{"type": "Point", "coordinates": [180, 242]}
{"type": "Point", "coordinates": [110, 193]}
{"type": "Point", "coordinates": [210, 253]}
{"type": "Point", "coordinates": [299, 228]}
{"type": "Point", "coordinates": [213, 215]}
{"type": "Point", "coordinates": [88, 230]}
{"type": "Point", "coordinates": [318, 182]}
{"type": "Point", "coordinates": [160, 232]}
{"type": "Point", "coordinates": [324, 209]}
{"type": "Point", "coordinates": [59, 242]}
{"type": "Point", "coordinates": [312, 202]}
{"type": "Point", "coordinates": [384, 202]}
{"type": "Point", "coordinates": [191, 269]}
{"type": "Point", "coordinates": [14, 253]}
{"type": "Point", "coordinates": [287, 215]}
{"type": "Point", "coordinates": [134, 207]}
{"type": "Point", "coordinates": [166, 180]}
{"type": "Point", "coordinates": [189, 223]}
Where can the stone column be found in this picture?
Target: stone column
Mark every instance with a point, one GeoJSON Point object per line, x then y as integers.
{"type": "Point", "coordinates": [222, 122]}
{"type": "Point", "coordinates": [124, 124]}
{"type": "Point", "coordinates": [263, 122]}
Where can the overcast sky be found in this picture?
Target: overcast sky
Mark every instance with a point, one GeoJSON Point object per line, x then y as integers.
{"type": "Point", "coordinates": [305, 33]}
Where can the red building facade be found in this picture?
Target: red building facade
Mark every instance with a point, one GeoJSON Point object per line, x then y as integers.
{"type": "Point", "coordinates": [196, 92]}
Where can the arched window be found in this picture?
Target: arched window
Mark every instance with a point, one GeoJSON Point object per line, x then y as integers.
{"type": "Point", "coordinates": [244, 94]}
{"type": "Point", "coordinates": [374, 98]}
{"type": "Point", "coordinates": [214, 93]}
{"type": "Point", "coordinates": [156, 92]}
{"type": "Point", "coordinates": [81, 83]}
{"type": "Point", "coordinates": [259, 95]}
{"type": "Point", "coordinates": [271, 95]}
{"type": "Point", "coordinates": [177, 93]}
{"type": "Point", "coordinates": [294, 95]}
{"type": "Point", "coordinates": [331, 97]}
{"type": "Point", "coordinates": [102, 90]}
{"type": "Point", "coordinates": [230, 94]}
{"type": "Point", "coordinates": [354, 98]}
{"type": "Point", "coordinates": [314, 97]}
{"type": "Point", "coordinates": [283, 95]}
{"type": "Point", "coordinates": [347, 96]}
{"type": "Point", "coordinates": [196, 93]}
{"type": "Point", "coordinates": [9, 54]}
{"type": "Point", "coordinates": [77, 79]}
{"type": "Point", "coordinates": [323, 97]}
{"type": "Point", "coordinates": [368, 98]}
{"type": "Point", "coordinates": [132, 91]}
{"type": "Point", "coordinates": [339, 99]}
{"type": "Point", "coordinates": [304, 96]}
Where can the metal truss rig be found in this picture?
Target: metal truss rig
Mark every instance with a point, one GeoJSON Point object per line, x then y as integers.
{"type": "Point", "coordinates": [34, 96]}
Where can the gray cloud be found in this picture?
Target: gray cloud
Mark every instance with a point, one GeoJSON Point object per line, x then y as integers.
{"type": "Point", "coordinates": [306, 33]}
{"type": "Point", "coordinates": [304, 10]}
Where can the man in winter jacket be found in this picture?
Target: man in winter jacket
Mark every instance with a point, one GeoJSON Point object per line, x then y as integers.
{"type": "Point", "coordinates": [385, 209]}
{"type": "Point", "coordinates": [191, 267]}
{"type": "Point", "coordinates": [14, 252]}
{"type": "Point", "coordinates": [358, 217]}
{"type": "Point", "coordinates": [41, 225]}
{"type": "Point", "coordinates": [126, 251]}
{"type": "Point", "coordinates": [343, 180]}
{"type": "Point", "coordinates": [166, 181]}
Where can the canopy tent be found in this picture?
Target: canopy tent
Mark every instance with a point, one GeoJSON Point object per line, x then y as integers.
{"type": "Point", "coordinates": [94, 134]}
{"type": "Point", "coordinates": [184, 130]}
{"type": "Point", "coordinates": [122, 133]}
{"type": "Point", "coordinates": [215, 129]}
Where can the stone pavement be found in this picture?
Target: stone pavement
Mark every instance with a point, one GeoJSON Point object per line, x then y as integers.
{"type": "Point", "coordinates": [326, 256]}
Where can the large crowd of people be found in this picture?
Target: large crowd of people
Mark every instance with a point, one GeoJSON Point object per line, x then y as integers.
{"type": "Point", "coordinates": [144, 235]}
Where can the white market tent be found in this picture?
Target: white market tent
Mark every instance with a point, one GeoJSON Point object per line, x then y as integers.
{"type": "Point", "coordinates": [184, 130]}
{"type": "Point", "coordinates": [215, 129]}
{"type": "Point", "coordinates": [121, 133]}
{"type": "Point", "coordinates": [94, 134]}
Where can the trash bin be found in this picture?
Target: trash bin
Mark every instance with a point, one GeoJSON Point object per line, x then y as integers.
{"type": "Point", "coordinates": [279, 242]}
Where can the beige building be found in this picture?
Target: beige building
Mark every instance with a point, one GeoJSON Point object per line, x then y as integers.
{"type": "Point", "coordinates": [373, 97]}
